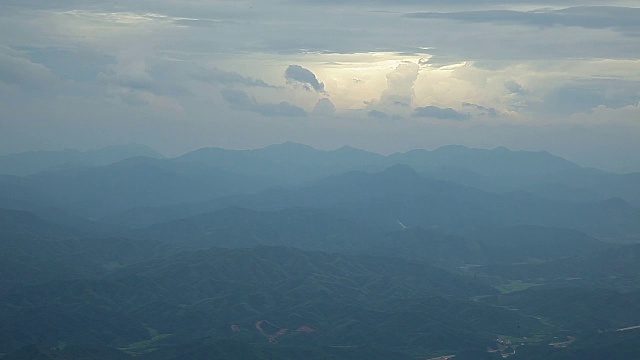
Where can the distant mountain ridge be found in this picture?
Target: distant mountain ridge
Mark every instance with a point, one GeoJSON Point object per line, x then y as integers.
{"type": "Point", "coordinates": [289, 163]}
{"type": "Point", "coordinates": [31, 162]}
{"type": "Point", "coordinates": [144, 182]}
{"type": "Point", "coordinates": [399, 193]}
{"type": "Point", "coordinates": [498, 169]}
{"type": "Point", "coordinates": [316, 229]}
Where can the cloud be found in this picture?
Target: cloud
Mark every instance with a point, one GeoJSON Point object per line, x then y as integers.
{"type": "Point", "coordinates": [130, 71]}
{"type": "Point", "coordinates": [400, 83]}
{"type": "Point", "coordinates": [396, 99]}
{"type": "Point", "coordinates": [594, 17]}
{"type": "Point", "coordinates": [584, 95]}
{"type": "Point", "coordinates": [514, 87]}
{"type": "Point", "coordinates": [240, 100]}
{"type": "Point", "coordinates": [324, 107]}
{"type": "Point", "coordinates": [132, 98]}
{"type": "Point", "coordinates": [205, 23]}
{"type": "Point", "coordinates": [482, 110]}
{"type": "Point", "coordinates": [283, 108]}
{"type": "Point", "coordinates": [223, 77]}
{"type": "Point", "coordinates": [377, 114]}
{"type": "Point", "coordinates": [526, 64]}
{"type": "Point", "coordinates": [439, 3]}
{"type": "Point", "coordinates": [16, 68]}
{"type": "Point", "coordinates": [78, 65]}
{"type": "Point", "coordinates": [297, 75]}
{"type": "Point", "coordinates": [440, 113]}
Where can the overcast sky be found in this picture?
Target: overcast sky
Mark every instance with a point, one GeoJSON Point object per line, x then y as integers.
{"type": "Point", "coordinates": [382, 75]}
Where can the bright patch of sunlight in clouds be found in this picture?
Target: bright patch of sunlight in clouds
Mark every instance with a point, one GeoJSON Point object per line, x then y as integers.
{"type": "Point", "coordinates": [215, 72]}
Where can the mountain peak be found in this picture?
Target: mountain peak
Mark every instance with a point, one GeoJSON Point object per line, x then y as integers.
{"type": "Point", "coordinates": [346, 148]}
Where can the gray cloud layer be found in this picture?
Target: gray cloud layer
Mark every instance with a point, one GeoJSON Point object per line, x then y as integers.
{"type": "Point", "coordinates": [377, 114]}
{"type": "Point", "coordinates": [594, 17]}
{"type": "Point", "coordinates": [465, 3]}
{"type": "Point", "coordinates": [240, 100]}
{"type": "Point", "coordinates": [228, 78]}
{"type": "Point", "coordinates": [584, 95]}
{"type": "Point", "coordinates": [482, 110]}
{"type": "Point", "coordinates": [440, 113]}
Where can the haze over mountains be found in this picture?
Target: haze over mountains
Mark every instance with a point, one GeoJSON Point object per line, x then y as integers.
{"type": "Point", "coordinates": [186, 178]}
{"type": "Point", "coordinates": [32, 162]}
{"type": "Point", "coordinates": [289, 251]}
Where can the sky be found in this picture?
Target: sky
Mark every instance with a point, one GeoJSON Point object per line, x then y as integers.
{"type": "Point", "coordinates": [382, 75]}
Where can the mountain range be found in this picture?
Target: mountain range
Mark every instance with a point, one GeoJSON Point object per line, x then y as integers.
{"type": "Point", "coordinates": [291, 252]}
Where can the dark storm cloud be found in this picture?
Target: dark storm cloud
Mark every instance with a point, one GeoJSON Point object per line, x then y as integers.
{"type": "Point", "coordinates": [593, 17]}
{"type": "Point", "coordinates": [240, 100]}
{"type": "Point", "coordinates": [297, 75]}
{"type": "Point", "coordinates": [440, 113]}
